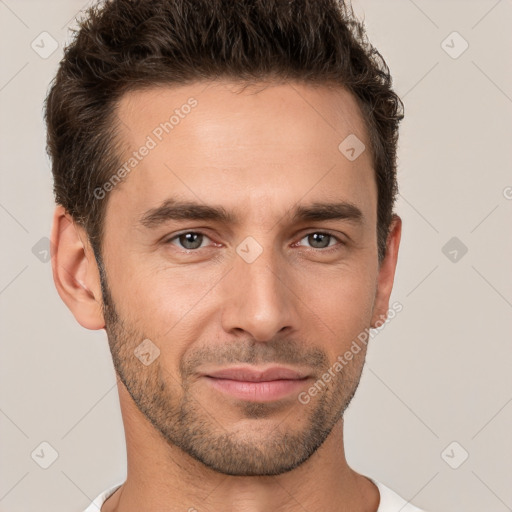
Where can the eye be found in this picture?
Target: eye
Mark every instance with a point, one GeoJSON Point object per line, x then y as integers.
{"type": "Point", "coordinates": [191, 240]}
{"type": "Point", "coordinates": [320, 240]}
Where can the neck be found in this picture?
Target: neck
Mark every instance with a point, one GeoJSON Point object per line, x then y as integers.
{"type": "Point", "coordinates": [162, 477]}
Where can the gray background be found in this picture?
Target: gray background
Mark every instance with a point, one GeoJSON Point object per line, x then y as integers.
{"type": "Point", "coordinates": [438, 373]}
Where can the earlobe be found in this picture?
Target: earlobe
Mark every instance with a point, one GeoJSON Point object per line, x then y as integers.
{"type": "Point", "coordinates": [75, 272]}
{"type": "Point", "coordinates": [386, 274]}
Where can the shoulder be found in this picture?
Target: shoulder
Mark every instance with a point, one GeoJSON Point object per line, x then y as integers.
{"type": "Point", "coordinates": [390, 501]}
{"type": "Point", "coordinates": [95, 505]}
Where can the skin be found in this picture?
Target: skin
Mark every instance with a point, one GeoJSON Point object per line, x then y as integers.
{"type": "Point", "coordinates": [258, 153]}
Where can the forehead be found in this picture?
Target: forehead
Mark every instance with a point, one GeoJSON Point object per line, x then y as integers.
{"type": "Point", "coordinates": [266, 145]}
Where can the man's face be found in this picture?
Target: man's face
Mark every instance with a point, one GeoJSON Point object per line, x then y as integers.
{"type": "Point", "coordinates": [266, 287]}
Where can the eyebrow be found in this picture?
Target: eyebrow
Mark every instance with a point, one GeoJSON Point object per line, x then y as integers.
{"type": "Point", "coordinates": [341, 210]}
{"type": "Point", "coordinates": [173, 209]}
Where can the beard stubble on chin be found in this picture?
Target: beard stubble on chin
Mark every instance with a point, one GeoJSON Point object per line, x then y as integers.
{"type": "Point", "coordinates": [169, 404]}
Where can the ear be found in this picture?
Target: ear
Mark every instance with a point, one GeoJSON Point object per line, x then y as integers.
{"type": "Point", "coordinates": [386, 274]}
{"type": "Point", "coordinates": [75, 271]}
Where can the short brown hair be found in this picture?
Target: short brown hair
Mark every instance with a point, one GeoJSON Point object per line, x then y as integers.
{"type": "Point", "coordinates": [124, 45]}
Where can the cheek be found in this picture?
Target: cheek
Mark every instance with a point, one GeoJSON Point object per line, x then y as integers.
{"type": "Point", "coordinates": [344, 302]}
{"type": "Point", "coordinates": [165, 304]}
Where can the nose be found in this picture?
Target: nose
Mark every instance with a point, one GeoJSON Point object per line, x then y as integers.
{"type": "Point", "coordinates": [259, 299]}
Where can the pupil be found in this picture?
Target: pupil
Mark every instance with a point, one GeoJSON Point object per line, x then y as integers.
{"type": "Point", "coordinates": [321, 240]}
{"type": "Point", "coordinates": [190, 240]}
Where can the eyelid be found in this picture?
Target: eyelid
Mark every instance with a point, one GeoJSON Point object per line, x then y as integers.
{"type": "Point", "coordinates": [324, 232]}
{"type": "Point", "coordinates": [169, 240]}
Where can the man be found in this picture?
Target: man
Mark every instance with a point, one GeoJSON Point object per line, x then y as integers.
{"type": "Point", "coordinates": [225, 180]}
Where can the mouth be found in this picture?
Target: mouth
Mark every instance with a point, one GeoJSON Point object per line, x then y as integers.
{"type": "Point", "coordinates": [257, 385]}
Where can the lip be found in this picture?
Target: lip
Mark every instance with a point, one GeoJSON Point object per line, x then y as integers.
{"type": "Point", "coordinates": [257, 385]}
{"type": "Point", "coordinates": [251, 374]}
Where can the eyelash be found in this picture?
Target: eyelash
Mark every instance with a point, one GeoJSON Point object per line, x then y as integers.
{"type": "Point", "coordinates": [327, 249]}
